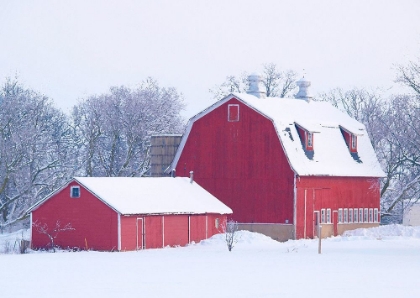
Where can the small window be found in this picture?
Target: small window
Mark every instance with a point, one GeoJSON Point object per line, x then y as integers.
{"type": "Point", "coordinates": [370, 215]}
{"type": "Point", "coordinates": [75, 191]}
{"type": "Point", "coordinates": [353, 142]}
{"type": "Point", "coordinates": [322, 215]}
{"type": "Point", "coordinates": [346, 215]}
{"type": "Point", "coordinates": [216, 223]}
{"type": "Point", "coordinates": [376, 215]}
{"type": "Point", "coordinates": [328, 215]}
{"type": "Point", "coordinates": [356, 215]}
{"type": "Point", "coordinates": [350, 215]}
{"type": "Point", "coordinates": [233, 113]}
{"type": "Point", "coordinates": [365, 217]}
{"type": "Point", "coordinates": [310, 140]}
{"type": "Point", "coordinates": [361, 215]}
{"type": "Point", "coordinates": [340, 215]}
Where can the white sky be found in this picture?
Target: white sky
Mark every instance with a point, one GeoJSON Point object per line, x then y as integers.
{"type": "Point", "coordinates": [71, 49]}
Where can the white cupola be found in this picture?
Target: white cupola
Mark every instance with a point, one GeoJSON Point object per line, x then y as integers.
{"type": "Point", "coordinates": [256, 86]}
{"type": "Point", "coordinates": [303, 92]}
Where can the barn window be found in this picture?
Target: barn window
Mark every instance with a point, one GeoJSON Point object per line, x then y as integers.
{"type": "Point", "coordinates": [340, 215]}
{"type": "Point", "coordinates": [216, 223]}
{"type": "Point", "coordinates": [350, 139]}
{"type": "Point", "coordinates": [75, 191]}
{"type": "Point", "coordinates": [356, 215]}
{"type": "Point", "coordinates": [365, 217]}
{"type": "Point", "coordinates": [322, 215]}
{"type": "Point", "coordinates": [233, 113]}
{"type": "Point", "coordinates": [328, 215]}
{"type": "Point", "coordinates": [376, 215]}
{"type": "Point", "coordinates": [361, 215]}
{"type": "Point", "coordinates": [310, 138]}
{"type": "Point", "coordinates": [370, 215]}
{"type": "Point", "coordinates": [350, 215]}
{"type": "Point", "coordinates": [346, 215]}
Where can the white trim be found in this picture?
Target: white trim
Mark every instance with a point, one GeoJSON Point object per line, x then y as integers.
{"type": "Point", "coordinates": [328, 216]}
{"type": "Point", "coordinates": [355, 215]}
{"type": "Point", "coordinates": [361, 215]}
{"type": "Point", "coordinates": [375, 215]}
{"type": "Point", "coordinates": [294, 201]}
{"type": "Point", "coordinates": [119, 231]}
{"type": "Point", "coordinates": [304, 219]}
{"type": "Point", "coordinates": [228, 116]}
{"type": "Point", "coordinates": [137, 233]}
{"type": "Point", "coordinates": [30, 230]}
{"type": "Point", "coordinates": [351, 215]}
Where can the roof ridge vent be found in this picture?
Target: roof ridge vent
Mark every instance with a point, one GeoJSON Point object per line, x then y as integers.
{"type": "Point", "coordinates": [255, 86]}
{"type": "Point", "coordinates": [303, 92]}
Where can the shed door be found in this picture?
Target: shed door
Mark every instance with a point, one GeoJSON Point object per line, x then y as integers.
{"type": "Point", "coordinates": [140, 233]}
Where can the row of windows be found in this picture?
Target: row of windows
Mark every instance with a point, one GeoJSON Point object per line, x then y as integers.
{"type": "Point", "coordinates": [352, 215]}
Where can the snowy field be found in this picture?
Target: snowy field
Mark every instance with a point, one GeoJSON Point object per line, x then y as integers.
{"type": "Point", "coordinates": [379, 262]}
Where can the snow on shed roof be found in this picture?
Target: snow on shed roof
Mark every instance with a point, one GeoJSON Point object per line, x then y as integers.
{"type": "Point", "coordinates": [166, 195]}
{"type": "Point", "coordinates": [331, 154]}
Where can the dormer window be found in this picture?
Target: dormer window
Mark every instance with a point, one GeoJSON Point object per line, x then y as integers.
{"type": "Point", "coordinates": [350, 138]}
{"type": "Point", "coordinates": [307, 138]}
{"type": "Point", "coordinates": [233, 113]}
{"type": "Point", "coordinates": [353, 146]}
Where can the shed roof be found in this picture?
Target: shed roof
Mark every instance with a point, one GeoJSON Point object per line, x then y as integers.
{"type": "Point", "coordinates": [163, 195]}
{"type": "Point", "coordinates": [331, 154]}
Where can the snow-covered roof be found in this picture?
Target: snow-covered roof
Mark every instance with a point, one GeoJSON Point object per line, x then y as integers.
{"type": "Point", "coordinates": [165, 195]}
{"type": "Point", "coordinates": [331, 155]}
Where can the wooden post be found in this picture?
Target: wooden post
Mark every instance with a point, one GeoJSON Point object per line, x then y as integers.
{"type": "Point", "coordinates": [319, 238]}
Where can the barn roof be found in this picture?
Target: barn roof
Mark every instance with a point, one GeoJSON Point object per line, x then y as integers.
{"type": "Point", "coordinates": [163, 195]}
{"type": "Point", "coordinates": [331, 155]}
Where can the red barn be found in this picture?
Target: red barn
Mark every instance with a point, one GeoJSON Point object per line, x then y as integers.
{"type": "Point", "coordinates": [284, 165]}
{"type": "Point", "coordinates": [118, 213]}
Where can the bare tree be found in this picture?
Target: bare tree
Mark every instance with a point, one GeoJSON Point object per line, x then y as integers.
{"type": "Point", "coordinates": [409, 75]}
{"type": "Point", "coordinates": [35, 150]}
{"type": "Point", "coordinates": [114, 129]}
{"type": "Point", "coordinates": [278, 83]}
{"type": "Point", "coordinates": [42, 228]}
{"type": "Point", "coordinates": [393, 127]}
{"type": "Point", "coordinates": [230, 228]}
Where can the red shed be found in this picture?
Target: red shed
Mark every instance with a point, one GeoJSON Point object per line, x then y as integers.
{"type": "Point", "coordinates": [115, 213]}
{"type": "Point", "coordinates": [284, 165]}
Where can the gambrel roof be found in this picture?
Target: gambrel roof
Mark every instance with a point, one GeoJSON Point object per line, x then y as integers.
{"type": "Point", "coordinates": [163, 195]}
{"type": "Point", "coordinates": [331, 155]}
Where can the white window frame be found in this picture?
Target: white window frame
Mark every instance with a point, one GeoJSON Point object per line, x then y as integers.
{"type": "Point", "coordinates": [216, 223]}
{"type": "Point", "coordinates": [370, 214]}
{"type": "Point", "coordinates": [361, 215]}
{"type": "Point", "coordinates": [355, 215]}
{"type": "Point", "coordinates": [328, 215]}
{"type": "Point", "coordinates": [366, 215]}
{"type": "Point", "coordinates": [322, 215]}
{"type": "Point", "coordinates": [350, 215]}
{"type": "Point", "coordinates": [310, 139]}
{"type": "Point", "coordinates": [71, 191]}
{"type": "Point", "coordinates": [376, 215]}
{"type": "Point", "coordinates": [229, 118]}
{"type": "Point", "coordinates": [346, 215]}
{"type": "Point", "coordinates": [353, 141]}
{"type": "Point", "coordinates": [340, 215]}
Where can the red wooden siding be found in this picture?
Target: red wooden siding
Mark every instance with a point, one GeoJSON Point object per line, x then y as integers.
{"type": "Point", "coordinates": [333, 193]}
{"type": "Point", "coordinates": [198, 230]}
{"type": "Point", "coordinates": [153, 232]}
{"type": "Point", "coordinates": [176, 230]}
{"type": "Point", "coordinates": [128, 233]}
{"type": "Point", "coordinates": [96, 225]}
{"type": "Point", "coordinates": [241, 163]}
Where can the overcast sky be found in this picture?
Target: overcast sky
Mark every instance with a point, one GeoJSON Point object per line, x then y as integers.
{"type": "Point", "coordinates": [71, 49]}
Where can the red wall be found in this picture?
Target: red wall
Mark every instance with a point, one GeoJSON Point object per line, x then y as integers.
{"type": "Point", "coordinates": [95, 223]}
{"type": "Point", "coordinates": [241, 163]}
{"type": "Point", "coordinates": [177, 230]}
{"type": "Point", "coordinates": [333, 193]}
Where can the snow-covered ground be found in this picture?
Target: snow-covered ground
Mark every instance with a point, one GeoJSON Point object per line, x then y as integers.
{"type": "Point", "coordinates": [379, 262]}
